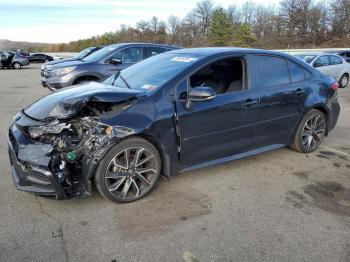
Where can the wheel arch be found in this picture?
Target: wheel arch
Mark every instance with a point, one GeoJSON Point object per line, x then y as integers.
{"type": "Point", "coordinates": [164, 157]}
{"type": "Point", "coordinates": [319, 107]}
{"type": "Point", "coordinates": [325, 111]}
{"type": "Point", "coordinates": [90, 77]}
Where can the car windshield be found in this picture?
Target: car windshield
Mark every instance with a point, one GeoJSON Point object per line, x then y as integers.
{"type": "Point", "coordinates": [306, 58]}
{"type": "Point", "coordinates": [96, 56]}
{"type": "Point", "coordinates": [83, 53]}
{"type": "Point", "coordinates": [153, 72]}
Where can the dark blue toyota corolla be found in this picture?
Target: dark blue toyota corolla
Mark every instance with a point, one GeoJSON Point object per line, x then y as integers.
{"type": "Point", "coordinates": [176, 111]}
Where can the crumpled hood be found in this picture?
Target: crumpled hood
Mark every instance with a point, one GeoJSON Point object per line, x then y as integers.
{"type": "Point", "coordinates": [72, 98]}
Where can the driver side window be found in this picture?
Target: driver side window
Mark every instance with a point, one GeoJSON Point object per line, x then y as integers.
{"type": "Point", "coordinates": [224, 76]}
{"type": "Point", "coordinates": [118, 55]}
{"type": "Point", "coordinates": [129, 55]}
{"type": "Point", "coordinates": [132, 55]}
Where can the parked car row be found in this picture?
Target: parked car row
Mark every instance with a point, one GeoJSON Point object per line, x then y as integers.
{"type": "Point", "coordinates": [98, 65]}
{"type": "Point", "coordinates": [177, 110]}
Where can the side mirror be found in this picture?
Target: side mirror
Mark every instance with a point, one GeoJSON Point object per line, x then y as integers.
{"type": "Point", "coordinates": [317, 65]}
{"type": "Point", "coordinates": [115, 61]}
{"type": "Point", "coordinates": [200, 93]}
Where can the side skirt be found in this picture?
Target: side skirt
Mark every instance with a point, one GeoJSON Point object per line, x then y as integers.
{"type": "Point", "coordinates": [234, 157]}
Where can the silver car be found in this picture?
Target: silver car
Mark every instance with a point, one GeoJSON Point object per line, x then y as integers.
{"type": "Point", "coordinates": [12, 60]}
{"type": "Point", "coordinates": [329, 64]}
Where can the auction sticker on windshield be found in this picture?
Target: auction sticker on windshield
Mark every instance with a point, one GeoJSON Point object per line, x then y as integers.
{"type": "Point", "coordinates": [184, 59]}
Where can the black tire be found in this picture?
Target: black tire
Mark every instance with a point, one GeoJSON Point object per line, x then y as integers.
{"type": "Point", "coordinates": [116, 182]}
{"type": "Point", "coordinates": [16, 65]}
{"type": "Point", "coordinates": [309, 136]}
{"type": "Point", "coordinates": [344, 81]}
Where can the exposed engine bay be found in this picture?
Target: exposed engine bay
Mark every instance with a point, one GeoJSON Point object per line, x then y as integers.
{"type": "Point", "coordinates": [66, 151]}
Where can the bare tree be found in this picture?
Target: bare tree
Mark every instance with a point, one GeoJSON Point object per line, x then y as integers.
{"type": "Point", "coordinates": [204, 11]}
{"type": "Point", "coordinates": [154, 27]}
{"type": "Point", "coordinates": [173, 28]}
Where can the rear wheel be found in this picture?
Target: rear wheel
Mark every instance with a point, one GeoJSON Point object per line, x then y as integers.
{"type": "Point", "coordinates": [16, 65]}
{"type": "Point", "coordinates": [129, 170]}
{"type": "Point", "coordinates": [344, 80]}
{"type": "Point", "coordinates": [310, 132]}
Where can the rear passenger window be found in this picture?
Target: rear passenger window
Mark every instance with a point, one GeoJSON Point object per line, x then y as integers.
{"type": "Point", "coordinates": [334, 60]}
{"type": "Point", "coordinates": [151, 51]}
{"type": "Point", "coordinates": [273, 70]}
{"type": "Point", "coordinates": [297, 73]}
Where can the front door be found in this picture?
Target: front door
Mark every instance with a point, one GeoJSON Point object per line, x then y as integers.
{"type": "Point", "coordinates": [127, 56]}
{"type": "Point", "coordinates": [224, 126]}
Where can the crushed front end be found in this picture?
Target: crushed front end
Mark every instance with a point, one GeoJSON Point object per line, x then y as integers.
{"type": "Point", "coordinates": [59, 157]}
{"type": "Point", "coordinates": [56, 143]}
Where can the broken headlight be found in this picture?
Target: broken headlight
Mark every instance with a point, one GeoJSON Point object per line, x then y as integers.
{"type": "Point", "coordinates": [52, 128]}
{"type": "Point", "coordinates": [66, 109]}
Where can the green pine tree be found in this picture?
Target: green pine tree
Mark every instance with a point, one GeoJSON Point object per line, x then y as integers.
{"type": "Point", "coordinates": [244, 36]}
{"type": "Point", "coordinates": [220, 31]}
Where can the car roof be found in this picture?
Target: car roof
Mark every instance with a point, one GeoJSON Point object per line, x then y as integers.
{"type": "Point", "coordinates": [208, 51]}
{"type": "Point", "coordinates": [137, 43]}
{"type": "Point", "coordinates": [316, 54]}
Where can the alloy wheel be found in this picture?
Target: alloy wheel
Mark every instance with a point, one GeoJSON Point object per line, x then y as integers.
{"type": "Point", "coordinates": [313, 132]}
{"type": "Point", "coordinates": [131, 173]}
{"type": "Point", "coordinates": [16, 65]}
{"type": "Point", "coordinates": [344, 81]}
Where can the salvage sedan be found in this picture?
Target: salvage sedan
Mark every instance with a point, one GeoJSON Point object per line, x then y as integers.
{"type": "Point", "coordinates": [174, 112]}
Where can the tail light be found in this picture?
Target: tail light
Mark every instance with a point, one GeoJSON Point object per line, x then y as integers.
{"type": "Point", "coordinates": [335, 86]}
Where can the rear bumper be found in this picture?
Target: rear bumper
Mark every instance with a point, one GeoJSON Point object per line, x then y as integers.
{"type": "Point", "coordinates": [30, 171]}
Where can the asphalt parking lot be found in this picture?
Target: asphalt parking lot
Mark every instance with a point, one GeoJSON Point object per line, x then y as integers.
{"type": "Point", "coordinates": [278, 206]}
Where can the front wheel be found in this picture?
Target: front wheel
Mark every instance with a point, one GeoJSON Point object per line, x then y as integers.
{"type": "Point", "coordinates": [310, 132]}
{"type": "Point", "coordinates": [344, 80]}
{"type": "Point", "coordinates": [129, 170]}
{"type": "Point", "coordinates": [16, 65]}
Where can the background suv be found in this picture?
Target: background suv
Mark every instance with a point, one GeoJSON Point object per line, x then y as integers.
{"type": "Point", "coordinates": [99, 65]}
{"type": "Point", "coordinates": [79, 56]}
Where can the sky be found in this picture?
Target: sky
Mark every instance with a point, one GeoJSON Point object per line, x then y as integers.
{"type": "Point", "coordinates": [61, 21]}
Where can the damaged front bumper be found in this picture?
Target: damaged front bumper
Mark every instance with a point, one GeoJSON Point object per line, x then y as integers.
{"type": "Point", "coordinates": [30, 166]}
{"type": "Point", "coordinates": [43, 169]}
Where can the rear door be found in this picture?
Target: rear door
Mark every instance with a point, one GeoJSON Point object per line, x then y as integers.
{"type": "Point", "coordinates": [283, 88]}
{"type": "Point", "coordinates": [153, 50]}
{"type": "Point", "coordinates": [336, 66]}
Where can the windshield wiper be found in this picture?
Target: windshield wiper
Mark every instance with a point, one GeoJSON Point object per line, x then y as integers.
{"type": "Point", "coordinates": [122, 78]}
{"type": "Point", "coordinates": [115, 77]}
{"type": "Point", "coordinates": [125, 82]}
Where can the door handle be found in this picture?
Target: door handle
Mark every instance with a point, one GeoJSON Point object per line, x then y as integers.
{"type": "Point", "coordinates": [299, 92]}
{"type": "Point", "coordinates": [249, 102]}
